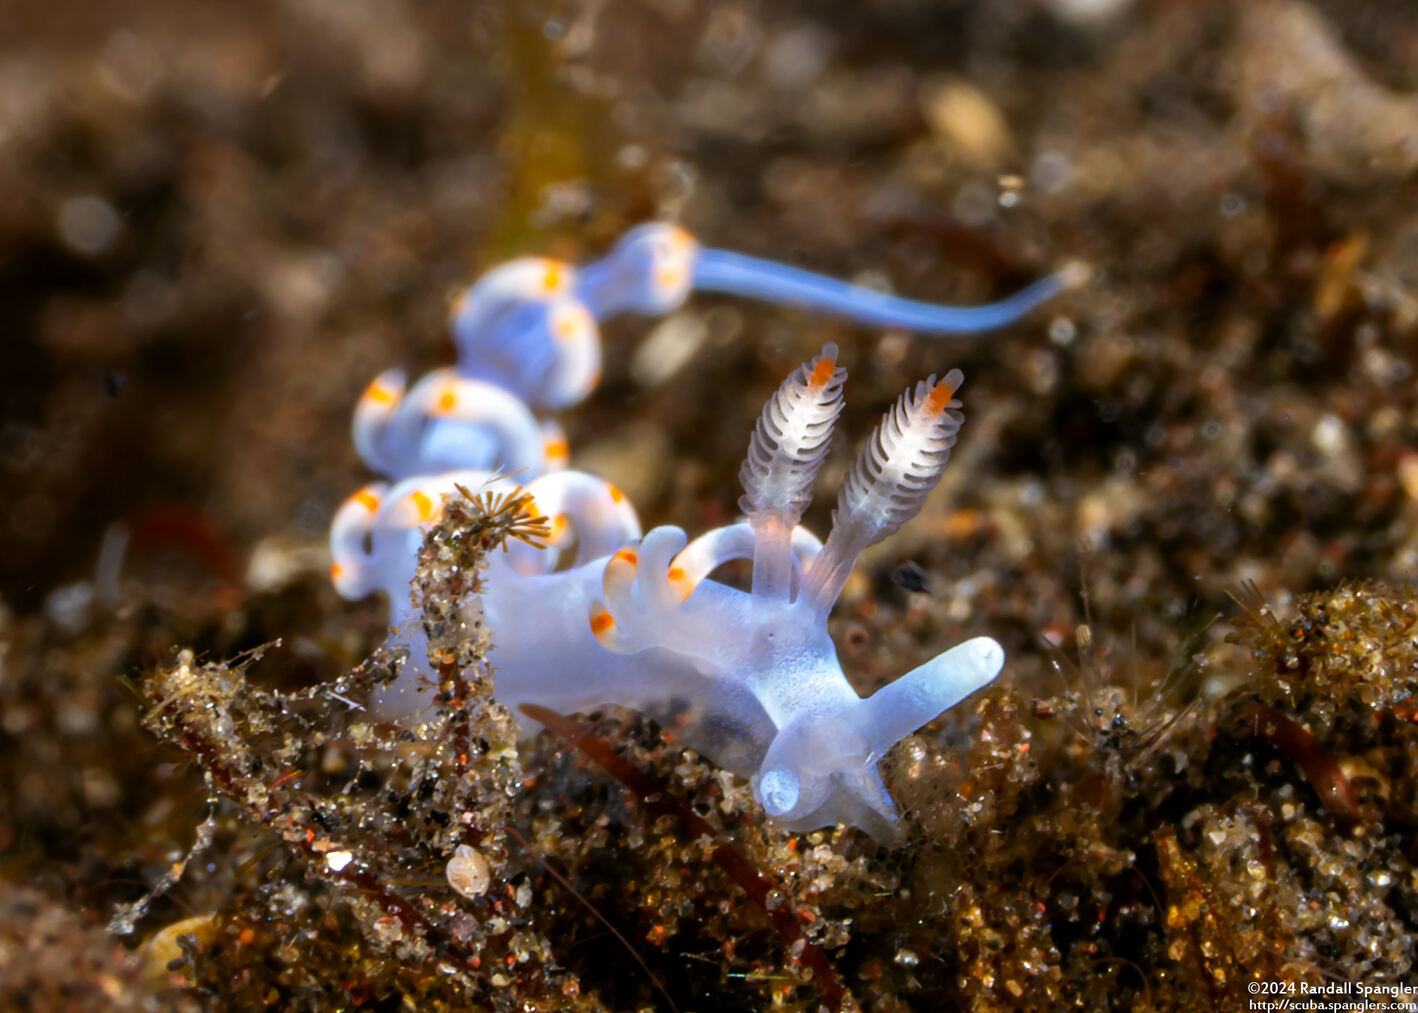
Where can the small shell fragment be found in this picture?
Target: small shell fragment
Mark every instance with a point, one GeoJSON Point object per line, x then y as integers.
{"type": "Point", "coordinates": [337, 860]}
{"type": "Point", "coordinates": [468, 872]}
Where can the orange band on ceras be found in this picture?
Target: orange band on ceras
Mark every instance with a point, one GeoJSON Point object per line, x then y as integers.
{"type": "Point", "coordinates": [447, 400]}
{"type": "Point", "coordinates": [619, 573]}
{"type": "Point", "coordinates": [680, 581]}
{"type": "Point", "coordinates": [367, 500]}
{"type": "Point", "coordinates": [377, 392]}
{"type": "Point", "coordinates": [556, 449]}
{"type": "Point", "coordinates": [602, 623]}
{"type": "Point", "coordinates": [423, 504]}
{"type": "Point", "coordinates": [460, 303]}
{"type": "Point", "coordinates": [822, 372]}
{"type": "Point", "coordinates": [571, 320]}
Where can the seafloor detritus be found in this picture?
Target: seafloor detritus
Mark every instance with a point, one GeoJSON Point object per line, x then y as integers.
{"type": "Point", "coordinates": [1101, 849]}
{"type": "Point", "coordinates": [364, 810]}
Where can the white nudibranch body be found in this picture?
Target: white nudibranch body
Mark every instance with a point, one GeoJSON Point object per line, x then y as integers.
{"type": "Point", "coordinates": [603, 616]}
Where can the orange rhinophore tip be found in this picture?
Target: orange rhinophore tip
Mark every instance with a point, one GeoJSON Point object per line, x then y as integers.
{"type": "Point", "coordinates": [367, 500]}
{"type": "Point", "coordinates": [938, 400]}
{"type": "Point", "coordinates": [822, 372]}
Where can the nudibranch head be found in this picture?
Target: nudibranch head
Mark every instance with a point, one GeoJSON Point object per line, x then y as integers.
{"type": "Point", "coordinates": [815, 743]}
{"type": "Point", "coordinates": [821, 769]}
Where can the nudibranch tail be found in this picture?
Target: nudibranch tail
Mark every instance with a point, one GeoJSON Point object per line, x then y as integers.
{"type": "Point", "coordinates": [739, 274]}
{"type": "Point", "coordinates": [785, 453]}
{"type": "Point", "coordinates": [901, 464]}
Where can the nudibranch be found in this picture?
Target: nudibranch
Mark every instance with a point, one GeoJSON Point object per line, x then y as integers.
{"type": "Point", "coordinates": [603, 616]}
{"type": "Point", "coordinates": [750, 678]}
